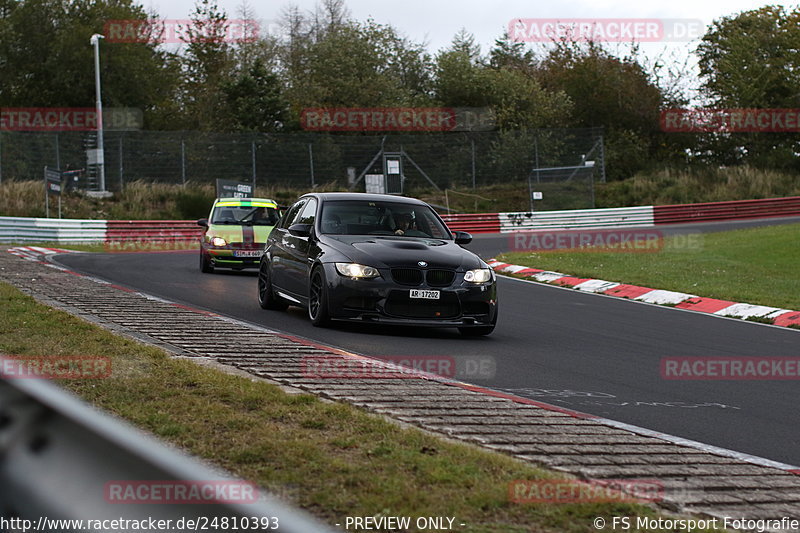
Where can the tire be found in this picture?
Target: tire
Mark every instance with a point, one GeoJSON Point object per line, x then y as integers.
{"type": "Point", "coordinates": [205, 264]}
{"type": "Point", "coordinates": [318, 310]}
{"type": "Point", "coordinates": [267, 298]}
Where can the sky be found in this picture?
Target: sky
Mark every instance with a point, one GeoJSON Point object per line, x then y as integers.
{"type": "Point", "coordinates": [435, 22]}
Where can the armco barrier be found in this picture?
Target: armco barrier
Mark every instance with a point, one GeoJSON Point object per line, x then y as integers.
{"type": "Point", "coordinates": [474, 223]}
{"type": "Point", "coordinates": [19, 229]}
{"type": "Point", "coordinates": [716, 211]}
{"type": "Point", "coordinates": [147, 230]}
{"type": "Point", "coordinates": [582, 218]}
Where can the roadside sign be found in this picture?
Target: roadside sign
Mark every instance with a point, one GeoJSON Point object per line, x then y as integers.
{"type": "Point", "coordinates": [52, 187]}
{"type": "Point", "coordinates": [234, 189]}
{"type": "Point", "coordinates": [537, 195]}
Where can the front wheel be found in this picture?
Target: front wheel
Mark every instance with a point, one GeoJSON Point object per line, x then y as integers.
{"type": "Point", "coordinates": [267, 298]}
{"type": "Point", "coordinates": [205, 264]}
{"type": "Point", "coordinates": [318, 299]}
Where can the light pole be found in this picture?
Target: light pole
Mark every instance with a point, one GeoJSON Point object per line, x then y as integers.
{"type": "Point", "coordinates": [95, 41]}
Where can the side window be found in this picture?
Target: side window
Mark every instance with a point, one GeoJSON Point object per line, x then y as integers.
{"type": "Point", "coordinates": [308, 214]}
{"type": "Point", "coordinates": [291, 214]}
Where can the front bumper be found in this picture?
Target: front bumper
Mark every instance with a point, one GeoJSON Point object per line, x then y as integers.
{"type": "Point", "coordinates": [225, 256]}
{"type": "Point", "coordinates": [384, 301]}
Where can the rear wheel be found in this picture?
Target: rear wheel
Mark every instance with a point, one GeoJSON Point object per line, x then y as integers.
{"type": "Point", "coordinates": [318, 299]}
{"type": "Point", "coordinates": [205, 264]}
{"type": "Point", "coordinates": [267, 298]}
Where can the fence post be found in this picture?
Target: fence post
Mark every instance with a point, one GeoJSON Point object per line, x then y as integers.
{"type": "Point", "coordinates": [311, 164]}
{"type": "Point", "coordinates": [1, 157]}
{"type": "Point", "coordinates": [58, 155]}
{"type": "Point", "coordinates": [253, 152]}
{"type": "Point", "coordinates": [183, 163]}
{"type": "Point", "coordinates": [121, 167]}
{"type": "Point", "coordinates": [472, 141]}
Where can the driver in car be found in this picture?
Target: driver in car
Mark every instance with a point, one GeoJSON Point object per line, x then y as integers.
{"type": "Point", "coordinates": [404, 222]}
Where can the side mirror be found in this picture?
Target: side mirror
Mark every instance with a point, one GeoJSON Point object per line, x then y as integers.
{"type": "Point", "coordinates": [300, 230]}
{"type": "Point", "coordinates": [203, 222]}
{"type": "Point", "coordinates": [462, 237]}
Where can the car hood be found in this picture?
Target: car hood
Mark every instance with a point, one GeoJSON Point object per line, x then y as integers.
{"type": "Point", "coordinates": [388, 252]}
{"type": "Point", "coordinates": [247, 234]}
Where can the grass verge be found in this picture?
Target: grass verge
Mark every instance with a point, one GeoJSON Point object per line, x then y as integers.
{"type": "Point", "coordinates": [329, 458]}
{"type": "Point", "coordinates": [757, 265]}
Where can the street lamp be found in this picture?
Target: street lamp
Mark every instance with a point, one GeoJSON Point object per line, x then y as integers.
{"type": "Point", "coordinates": [95, 41]}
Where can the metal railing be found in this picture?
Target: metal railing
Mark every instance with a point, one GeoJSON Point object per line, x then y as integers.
{"type": "Point", "coordinates": [57, 455]}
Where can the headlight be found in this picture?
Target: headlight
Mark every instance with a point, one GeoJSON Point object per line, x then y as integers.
{"type": "Point", "coordinates": [354, 270]}
{"type": "Point", "coordinates": [218, 241]}
{"type": "Point", "coordinates": [479, 275]}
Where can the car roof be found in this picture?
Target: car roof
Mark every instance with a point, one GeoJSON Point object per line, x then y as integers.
{"type": "Point", "coordinates": [326, 196]}
{"type": "Point", "coordinates": [250, 202]}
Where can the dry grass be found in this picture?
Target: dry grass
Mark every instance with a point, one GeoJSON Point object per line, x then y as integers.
{"type": "Point", "coordinates": [160, 201]}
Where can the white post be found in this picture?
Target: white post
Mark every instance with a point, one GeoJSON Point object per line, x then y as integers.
{"type": "Point", "coordinates": [95, 41]}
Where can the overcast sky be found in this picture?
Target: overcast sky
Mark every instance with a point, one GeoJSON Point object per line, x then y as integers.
{"type": "Point", "coordinates": [435, 22]}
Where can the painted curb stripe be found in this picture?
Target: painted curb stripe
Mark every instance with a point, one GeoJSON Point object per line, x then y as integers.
{"type": "Point", "coordinates": [570, 281]}
{"type": "Point", "coordinates": [624, 290]}
{"type": "Point", "coordinates": [704, 305]}
{"type": "Point", "coordinates": [680, 300]}
{"type": "Point", "coordinates": [790, 318]}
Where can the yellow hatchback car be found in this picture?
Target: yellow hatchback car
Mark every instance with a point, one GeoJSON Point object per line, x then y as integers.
{"type": "Point", "coordinates": [235, 232]}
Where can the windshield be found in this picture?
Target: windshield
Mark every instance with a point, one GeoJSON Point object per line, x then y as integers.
{"type": "Point", "coordinates": [259, 216]}
{"type": "Point", "coordinates": [362, 217]}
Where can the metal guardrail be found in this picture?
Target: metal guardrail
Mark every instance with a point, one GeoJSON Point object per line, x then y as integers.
{"type": "Point", "coordinates": [18, 229]}
{"type": "Point", "coordinates": [57, 454]}
{"type": "Point", "coordinates": [717, 211]}
{"type": "Point", "coordinates": [22, 229]}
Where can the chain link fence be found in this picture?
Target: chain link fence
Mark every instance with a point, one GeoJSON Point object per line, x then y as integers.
{"type": "Point", "coordinates": [554, 161]}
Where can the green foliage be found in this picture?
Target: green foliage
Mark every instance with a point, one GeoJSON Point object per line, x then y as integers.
{"type": "Point", "coordinates": [46, 59]}
{"type": "Point", "coordinates": [750, 60]}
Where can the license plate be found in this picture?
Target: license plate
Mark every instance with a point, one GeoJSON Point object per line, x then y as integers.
{"type": "Point", "coordinates": [247, 253]}
{"type": "Point", "coordinates": [427, 295]}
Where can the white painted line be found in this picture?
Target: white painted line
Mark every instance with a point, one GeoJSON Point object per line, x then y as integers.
{"type": "Point", "coordinates": [725, 452]}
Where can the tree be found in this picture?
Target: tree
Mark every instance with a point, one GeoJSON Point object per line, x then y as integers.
{"type": "Point", "coordinates": [46, 59]}
{"type": "Point", "coordinates": [255, 100]}
{"type": "Point", "coordinates": [611, 92]}
{"type": "Point", "coordinates": [750, 60]}
{"type": "Point", "coordinates": [207, 64]}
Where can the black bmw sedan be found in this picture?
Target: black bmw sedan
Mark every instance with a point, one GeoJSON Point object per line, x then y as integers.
{"type": "Point", "coordinates": [375, 259]}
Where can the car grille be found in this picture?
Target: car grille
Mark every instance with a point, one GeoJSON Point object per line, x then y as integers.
{"type": "Point", "coordinates": [407, 276]}
{"type": "Point", "coordinates": [440, 278]}
{"type": "Point", "coordinates": [414, 276]}
{"type": "Point", "coordinates": [400, 304]}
